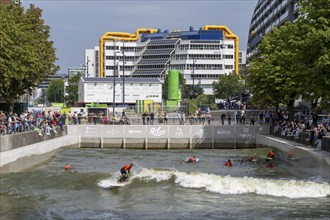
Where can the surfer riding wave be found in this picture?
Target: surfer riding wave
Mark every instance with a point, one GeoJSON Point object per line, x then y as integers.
{"type": "Point", "coordinates": [125, 170]}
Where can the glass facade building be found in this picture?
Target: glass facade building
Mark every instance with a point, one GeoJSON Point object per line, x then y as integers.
{"type": "Point", "coordinates": [267, 15]}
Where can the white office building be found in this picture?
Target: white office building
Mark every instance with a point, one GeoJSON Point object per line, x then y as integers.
{"type": "Point", "coordinates": [100, 90]}
{"type": "Point", "coordinates": [92, 62]}
{"type": "Point", "coordinates": [200, 55]}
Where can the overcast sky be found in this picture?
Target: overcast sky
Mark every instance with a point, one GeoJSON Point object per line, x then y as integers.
{"type": "Point", "coordinates": [77, 25]}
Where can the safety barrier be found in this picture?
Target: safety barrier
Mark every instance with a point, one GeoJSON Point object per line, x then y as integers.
{"type": "Point", "coordinates": [167, 136]}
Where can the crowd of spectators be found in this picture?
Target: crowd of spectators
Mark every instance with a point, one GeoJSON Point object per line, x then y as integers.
{"type": "Point", "coordinates": [42, 122]}
{"type": "Point", "coordinates": [199, 117]}
{"type": "Point", "coordinates": [316, 129]}
{"type": "Point", "coordinates": [45, 122]}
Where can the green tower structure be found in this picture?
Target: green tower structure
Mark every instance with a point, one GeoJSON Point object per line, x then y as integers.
{"type": "Point", "coordinates": [174, 94]}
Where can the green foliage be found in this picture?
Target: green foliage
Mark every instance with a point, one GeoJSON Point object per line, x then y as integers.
{"type": "Point", "coordinates": [315, 49]}
{"type": "Point", "coordinates": [202, 100]}
{"type": "Point", "coordinates": [196, 91]}
{"type": "Point", "coordinates": [72, 90]}
{"type": "Point", "coordinates": [55, 90]}
{"type": "Point", "coordinates": [27, 55]}
{"type": "Point", "coordinates": [275, 76]}
{"type": "Point", "coordinates": [228, 85]}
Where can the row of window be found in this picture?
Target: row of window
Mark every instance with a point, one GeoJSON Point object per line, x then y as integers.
{"type": "Point", "coordinates": [271, 12]}
{"type": "Point", "coordinates": [269, 5]}
{"type": "Point", "coordinates": [180, 47]}
{"type": "Point", "coordinates": [160, 47]}
{"type": "Point", "coordinates": [158, 56]}
{"type": "Point", "coordinates": [271, 20]}
{"type": "Point", "coordinates": [127, 68]}
{"type": "Point", "coordinates": [120, 58]}
{"type": "Point", "coordinates": [228, 56]}
{"type": "Point", "coordinates": [202, 76]}
{"type": "Point", "coordinates": [176, 57]}
{"type": "Point", "coordinates": [197, 56]}
{"type": "Point", "coordinates": [204, 46]}
{"type": "Point", "coordinates": [162, 66]}
{"type": "Point", "coordinates": [197, 66]}
{"type": "Point", "coordinates": [228, 67]}
{"type": "Point", "coordinates": [126, 49]}
{"type": "Point", "coordinates": [133, 85]}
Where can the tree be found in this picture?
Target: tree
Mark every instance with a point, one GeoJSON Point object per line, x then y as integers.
{"type": "Point", "coordinates": [275, 75]}
{"type": "Point", "coordinates": [196, 90]}
{"type": "Point", "coordinates": [27, 56]}
{"type": "Point", "coordinates": [294, 60]}
{"type": "Point", "coordinates": [72, 90]}
{"type": "Point", "coordinates": [314, 49]}
{"type": "Point", "coordinates": [55, 91]}
{"type": "Point", "coordinates": [228, 85]}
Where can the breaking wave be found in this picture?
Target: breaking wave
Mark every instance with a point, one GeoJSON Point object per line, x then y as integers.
{"type": "Point", "coordinates": [238, 185]}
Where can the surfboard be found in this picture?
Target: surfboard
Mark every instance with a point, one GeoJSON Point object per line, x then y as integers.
{"type": "Point", "coordinates": [112, 183]}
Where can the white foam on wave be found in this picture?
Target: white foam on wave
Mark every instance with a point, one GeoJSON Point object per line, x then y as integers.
{"type": "Point", "coordinates": [157, 175]}
{"type": "Point", "coordinates": [110, 183]}
{"type": "Point", "coordinates": [240, 185]}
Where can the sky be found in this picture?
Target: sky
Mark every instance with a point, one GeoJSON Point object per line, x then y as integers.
{"type": "Point", "coordinates": [77, 25]}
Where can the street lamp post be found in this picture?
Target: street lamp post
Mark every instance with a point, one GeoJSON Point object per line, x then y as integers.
{"type": "Point", "coordinates": [114, 80]}
{"type": "Point", "coordinates": [123, 74]}
{"type": "Point", "coordinates": [193, 95]}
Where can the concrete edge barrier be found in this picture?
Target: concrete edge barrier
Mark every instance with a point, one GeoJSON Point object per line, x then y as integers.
{"type": "Point", "coordinates": [40, 148]}
{"type": "Point", "coordinates": [299, 156]}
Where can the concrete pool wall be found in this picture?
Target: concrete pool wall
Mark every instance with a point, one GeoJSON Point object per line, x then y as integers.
{"type": "Point", "coordinates": [157, 137]}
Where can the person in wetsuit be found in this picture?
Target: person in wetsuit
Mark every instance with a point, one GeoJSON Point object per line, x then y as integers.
{"type": "Point", "coordinates": [125, 170]}
{"type": "Point", "coordinates": [191, 160]}
{"type": "Point", "coordinates": [67, 167]}
{"type": "Point", "coordinates": [228, 163]}
{"type": "Point", "coordinates": [271, 155]}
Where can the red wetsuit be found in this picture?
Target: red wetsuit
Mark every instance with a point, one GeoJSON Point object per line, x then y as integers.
{"type": "Point", "coordinates": [228, 164]}
{"type": "Point", "coordinates": [125, 169]}
{"type": "Point", "coordinates": [192, 160]}
{"type": "Point", "coordinates": [270, 155]}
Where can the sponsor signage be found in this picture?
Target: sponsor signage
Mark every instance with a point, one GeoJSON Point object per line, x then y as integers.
{"type": "Point", "coordinates": [113, 131]}
{"type": "Point", "coordinates": [179, 132]}
{"type": "Point", "coordinates": [132, 131]}
{"type": "Point", "coordinates": [157, 132]}
{"type": "Point", "coordinates": [224, 132]}
{"type": "Point", "coordinates": [90, 131]}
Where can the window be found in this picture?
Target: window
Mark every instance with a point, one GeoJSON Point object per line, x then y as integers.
{"type": "Point", "coordinates": [227, 56]}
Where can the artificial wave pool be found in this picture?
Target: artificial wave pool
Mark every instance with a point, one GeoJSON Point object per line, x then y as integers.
{"type": "Point", "coordinates": [162, 187]}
